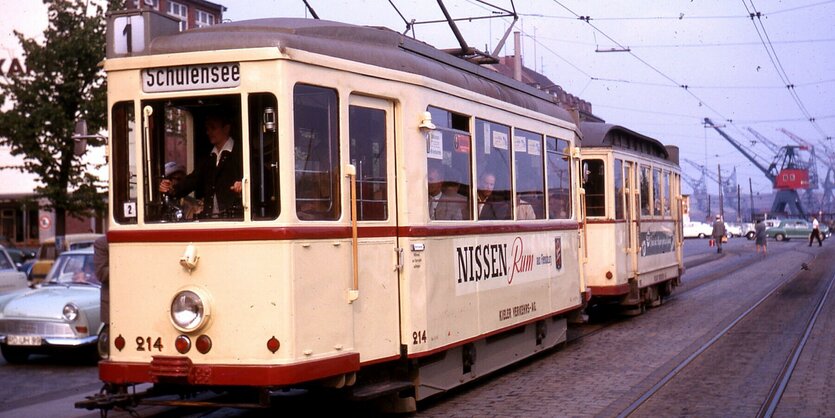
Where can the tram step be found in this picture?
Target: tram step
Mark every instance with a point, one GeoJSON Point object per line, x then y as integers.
{"type": "Point", "coordinates": [373, 390]}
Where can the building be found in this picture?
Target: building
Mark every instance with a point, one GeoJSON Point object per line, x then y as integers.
{"type": "Point", "coordinates": [191, 13]}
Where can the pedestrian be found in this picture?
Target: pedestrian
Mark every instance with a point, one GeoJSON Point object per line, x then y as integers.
{"type": "Point", "coordinates": [816, 232]}
{"type": "Point", "coordinates": [718, 232]}
{"type": "Point", "coordinates": [761, 237]}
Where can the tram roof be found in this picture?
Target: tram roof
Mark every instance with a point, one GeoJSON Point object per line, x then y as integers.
{"type": "Point", "coordinates": [377, 46]}
{"type": "Point", "coordinates": [597, 134]}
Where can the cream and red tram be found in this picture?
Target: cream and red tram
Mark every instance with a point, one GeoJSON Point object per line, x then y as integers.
{"type": "Point", "coordinates": [632, 208]}
{"type": "Point", "coordinates": [416, 292]}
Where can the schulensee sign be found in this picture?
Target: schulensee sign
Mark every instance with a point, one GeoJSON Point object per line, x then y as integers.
{"type": "Point", "coordinates": [191, 77]}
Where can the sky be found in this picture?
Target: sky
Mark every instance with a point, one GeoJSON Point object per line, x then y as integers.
{"type": "Point", "coordinates": [712, 47]}
{"type": "Point", "coordinates": [686, 60]}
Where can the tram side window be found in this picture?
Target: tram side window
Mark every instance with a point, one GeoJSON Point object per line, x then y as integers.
{"type": "Point", "coordinates": [594, 183]}
{"type": "Point", "coordinates": [530, 178]}
{"type": "Point", "coordinates": [367, 131]}
{"type": "Point", "coordinates": [123, 149]}
{"type": "Point", "coordinates": [644, 189]}
{"type": "Point", "coordinates": [656, 192]}
{"type": "Point", "coordinates": [668, 197]}
{"type": "Point", "coordinates": [448, 159]}
{"type": "Point", "coordinates": [559, 178]}
{"type": "Point", "coordinates": [316, 148]}
{"type": "Point", "coordinates": [193, 159]}
{"type": "Point", "coordinates": [263, 156]}
{"type": "Point", "coordinates": [618, 169]}
{"type": "Point", "coordinates": [493, 188]}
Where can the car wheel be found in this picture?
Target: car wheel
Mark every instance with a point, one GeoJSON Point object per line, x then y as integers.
{"type": "Point", "coordinates": [750, 235]}
{"type": "Point", "coordinates": [14, 355]}
{"type": "Point", "coordinates": [779, 237]}
{"type": "Point", "coordinates": [102, 345]}
{"type": "Point", "coordinates": [701, 235]}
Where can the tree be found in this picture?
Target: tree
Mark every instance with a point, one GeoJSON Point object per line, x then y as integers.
{"type": "Point", "coordinates": [62, 85]}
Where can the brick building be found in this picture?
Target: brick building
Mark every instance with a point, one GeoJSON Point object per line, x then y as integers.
{"type": "Point", "coordinates": [191, 13]}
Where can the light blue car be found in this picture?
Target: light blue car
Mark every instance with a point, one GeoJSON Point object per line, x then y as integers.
{"type": "Point", "coordinates": [60, 314]}
{"type": "Point", "coordinates": [795, 228]}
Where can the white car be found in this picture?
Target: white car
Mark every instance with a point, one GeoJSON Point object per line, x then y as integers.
{"type": "Point", "coordinates": [733, 229]}
{"type": "Point", "coordinates": [10, 277]}
{"type": "Point", "coordinates": [697, 230]}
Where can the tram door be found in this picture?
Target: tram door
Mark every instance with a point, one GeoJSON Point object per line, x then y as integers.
{"type": "Point", "coordinates": [632, 215]}
{"type": "Point", "coordinates": [371, 152]}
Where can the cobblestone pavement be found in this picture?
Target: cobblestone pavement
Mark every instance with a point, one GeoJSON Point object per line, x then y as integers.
{"type": "Point", "coordinates": [600, 375]}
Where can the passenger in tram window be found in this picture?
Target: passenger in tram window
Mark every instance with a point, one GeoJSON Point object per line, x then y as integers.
{"type": "Point", "coordinates": [216, 179]}
{"type": "Point", "coordinates": [557, 207]}
{"type": "Point", "coordinates": [434, 178]}
{"type": "Point", "coordinates": [524, 210]}
{"type": "Point", "coordinates": [451, 206]}
{"type": "Point", "coordinates": [489, 206]}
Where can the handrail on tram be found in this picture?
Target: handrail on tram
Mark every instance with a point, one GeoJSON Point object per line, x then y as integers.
{"type": "Point", "coordinates": [354, 292]}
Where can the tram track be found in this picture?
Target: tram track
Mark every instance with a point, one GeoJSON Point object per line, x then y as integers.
{"type": "Point", "coordinates": [780, 383]}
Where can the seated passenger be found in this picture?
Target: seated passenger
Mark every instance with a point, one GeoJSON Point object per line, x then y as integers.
{"type": "Point", "coordinates": [452, 206]}
{"type": "Point", "coordinates": [524, 210]}
{"type": "Point", "coordinates": [490, 206]}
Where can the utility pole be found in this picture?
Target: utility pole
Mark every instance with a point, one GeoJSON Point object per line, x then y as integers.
{"type": "Point", "coordinates": [738, 204]}
{"type": "Point", "coordinates": [751, 190]}
{"type": "Point", "coordinates": [721, 201]}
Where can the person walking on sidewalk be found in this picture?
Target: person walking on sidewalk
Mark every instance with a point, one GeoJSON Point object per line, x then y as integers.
{"type": "Point", "coordinates": [761, 236]}
{"type": "Point", "coordinates": [718, 233]}
{"type": "Point", "coordinates": [816, 232]}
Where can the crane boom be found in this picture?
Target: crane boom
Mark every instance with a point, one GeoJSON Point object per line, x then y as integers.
{"type": "Point", "coordinates": [769, 172]}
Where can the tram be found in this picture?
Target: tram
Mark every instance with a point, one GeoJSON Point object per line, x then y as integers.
{"type": "Point", "coordinates": [402, 221]}
{"type": "Point", "coordinates": [633, 216]}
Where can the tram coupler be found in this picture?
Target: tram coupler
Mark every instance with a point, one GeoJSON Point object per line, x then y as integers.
{"type": "Point", "coordinates": [112, 397]}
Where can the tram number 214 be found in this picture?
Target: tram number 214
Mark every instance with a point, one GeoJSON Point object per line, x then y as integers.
{"type": "Point", "coordinates": [419, 337]}
{"type": "Point", "coordinates": [144, 344]}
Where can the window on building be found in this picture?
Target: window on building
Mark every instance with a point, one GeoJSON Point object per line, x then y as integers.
{"type": "Point", "coordinates": [146, 3]}
{"type": "Point", "coordinates": [316, 148]}
{"type": "Point", "coordinates": [530, 175]}
{"type": "Point", "coordinates": [180, 11]}
{"type": "Point", "coordinates": [594, 183]}
{"type": "Point", "coordinates": [204, 18]}
{"type": "Point", "coordinates": [448, 165]}
{"type": "Point", "coordinates": [493, 170]}
{"type": "Point", "coordinates": [559, 178]}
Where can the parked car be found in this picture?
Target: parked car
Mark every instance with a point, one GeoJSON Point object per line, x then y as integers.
{"type": "Point", "coordinates": [61, 314]}
{"type": "Point", "coordinates": [10, 277]}
{"type": "Point", "coordinates": [697, 230]}
{"type": "Point", "coordinates": [733, 229]}
{"type": "Point", "coordinates": [794, 228]}
{"type": "Point", "coordinates": [51, 248]}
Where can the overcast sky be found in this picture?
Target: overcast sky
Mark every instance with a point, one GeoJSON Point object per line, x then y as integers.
{"type": "Point", "coordinates": [712, 47]}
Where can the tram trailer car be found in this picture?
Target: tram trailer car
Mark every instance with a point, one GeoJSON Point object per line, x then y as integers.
{"type": "Point", "coordinates": [633, 217]}
{"type": "Point", "coordinates": [386, 289]}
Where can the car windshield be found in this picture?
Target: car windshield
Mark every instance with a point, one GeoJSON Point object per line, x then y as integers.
{"type": "Point", "coordinates": [73, 269]}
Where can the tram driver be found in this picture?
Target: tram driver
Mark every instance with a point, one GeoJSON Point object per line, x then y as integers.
{"type": "Point", "coordinates": [216, 179]}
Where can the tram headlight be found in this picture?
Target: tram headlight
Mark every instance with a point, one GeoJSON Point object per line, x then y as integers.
{"type": "Point", "coordinates": [189, 310]}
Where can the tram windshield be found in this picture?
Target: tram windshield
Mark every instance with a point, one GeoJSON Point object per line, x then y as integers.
{"type": "Point", "coordinates": [192, 154]}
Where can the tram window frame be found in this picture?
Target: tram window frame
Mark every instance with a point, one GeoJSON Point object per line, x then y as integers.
{"type": "Point", "coordinates": [558, 153]}
{"type": "Point", "coordinates": [449, 167]}
{"type": "Point", "coordinates": [493, 158]}
{"type": "Point", "coordinates": [317, 187]}
{"type": "Point", "coordinates": [594, 184]}
{"type": "Point", "coordinates": [530, 175]}
{"type": "Point", "coordinates": [265, 200]}
{"type": "Point", "coordinates": [644, 178]}
{"type": "Point", "coordinates": [124, 185]}
{"type": "Point", "coordinates": [619, 189]}
{"type": "Point", "coordinates": [368, 147]}
{"type": "Point", "coordinates": [179, 139]}
{"type": "Point", "coordinates": [656, 192]}
{"type": "Point", "coordinates": [667, 195]}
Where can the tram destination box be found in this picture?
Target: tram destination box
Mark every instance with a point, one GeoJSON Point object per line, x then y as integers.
{"type": "Point", "coordinates": [130, 32]}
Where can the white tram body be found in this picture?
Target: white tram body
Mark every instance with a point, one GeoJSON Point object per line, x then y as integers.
{"type": "Point", "coordinates": [281, 287]}
{"type": "Point", "coordinates": [633, 216]}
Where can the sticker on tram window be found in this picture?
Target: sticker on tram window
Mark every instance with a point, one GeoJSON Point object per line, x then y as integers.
{"type": "Point", "coordinates": [436, 145]}
{"type": "Point", "coordinates": [534, 148]}
{"type": "Point", "coordinates": [462, 143]}
{"type": "Point", "coordinates": [191, 77]}
{"type": "Point", "coordinates": [129, 209]}
{"type": "Point", "coordinates": [499, 140]}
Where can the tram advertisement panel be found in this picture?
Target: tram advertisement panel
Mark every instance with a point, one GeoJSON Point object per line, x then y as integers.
{"type": "Point", "coordinates": [656, 242]}
{"type": "Point", "coordinates": [500, 262]}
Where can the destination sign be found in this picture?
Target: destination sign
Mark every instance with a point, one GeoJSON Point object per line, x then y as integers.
{"type": "Point", "coordinates": [192, 77]}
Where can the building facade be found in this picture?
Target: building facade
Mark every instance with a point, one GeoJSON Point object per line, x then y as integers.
{"type": "Point", "coordinates": [191, 13]}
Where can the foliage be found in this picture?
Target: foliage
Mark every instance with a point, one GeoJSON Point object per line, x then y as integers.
{"type": "Point", "coordinates": [62, 84]}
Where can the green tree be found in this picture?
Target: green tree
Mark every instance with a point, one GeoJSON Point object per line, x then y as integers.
{"type": "Point", "coordinates": [63, 83]}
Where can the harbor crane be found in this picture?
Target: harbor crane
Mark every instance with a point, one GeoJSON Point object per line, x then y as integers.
{"type": "Point", "coordinates": [827, 202]}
